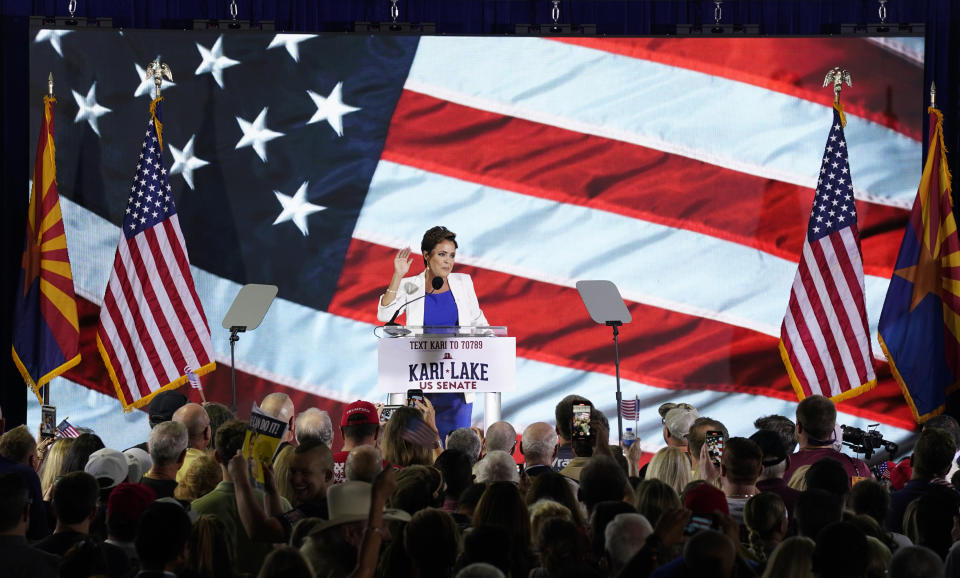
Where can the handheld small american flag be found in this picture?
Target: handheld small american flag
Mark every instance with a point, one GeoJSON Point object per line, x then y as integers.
{"type": "Point", "coordinates": [152, 322]}
{"type": "Point", "coordinates": [629, 409]}
{"type": "Point", "coordinates": [418, 432]}
{"type": "Point", "coordinates": [66, 430]}
{"type": "Point", "coordinates": [824, 338]}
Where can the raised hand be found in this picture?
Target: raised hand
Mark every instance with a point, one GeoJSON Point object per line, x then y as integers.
{"type": "Point", "coordinates": [402, 262]}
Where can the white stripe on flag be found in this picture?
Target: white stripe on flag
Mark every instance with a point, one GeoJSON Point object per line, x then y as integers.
{"type": "Point", "coordinates": [537, 87]}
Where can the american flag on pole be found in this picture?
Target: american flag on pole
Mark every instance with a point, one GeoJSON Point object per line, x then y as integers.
{"type": "Point", "coordinates": [152, 322]}
{"type": "Point", "coordinates": [681, 169]}
{"type": "Point", "coordinates": [629, 409]}
{"type": "Point", "coordinates": [825, 338]}
{"type": "Point", "coordinates": [66, 430]}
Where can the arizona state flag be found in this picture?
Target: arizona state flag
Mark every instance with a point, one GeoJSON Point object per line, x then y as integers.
{"type": "Point", "coordinates": [45, 330]}
{"type": "Point", "coordinates": [920, 323]}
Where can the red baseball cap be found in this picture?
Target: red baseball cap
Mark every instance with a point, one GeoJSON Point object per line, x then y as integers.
{"type": "Point", "coordinates": [705, 499]}
{"type": "Point", "coordinates": [359, 413]}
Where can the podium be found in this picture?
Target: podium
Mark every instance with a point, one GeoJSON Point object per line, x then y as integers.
{"type": "Point", "coordinates": [444, 359]}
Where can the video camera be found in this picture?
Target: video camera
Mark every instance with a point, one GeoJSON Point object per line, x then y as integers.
{"type": "Point", "coordinates": [865, 442]}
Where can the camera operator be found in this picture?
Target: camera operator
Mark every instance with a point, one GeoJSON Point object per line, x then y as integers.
{"type": "Point", "coordinates": [816, 421]}
{"type": "Point", "coordinates": [931, 461]}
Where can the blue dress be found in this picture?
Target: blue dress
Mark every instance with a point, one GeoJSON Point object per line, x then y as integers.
{"type": "Point", "coordinates": [453, 412]}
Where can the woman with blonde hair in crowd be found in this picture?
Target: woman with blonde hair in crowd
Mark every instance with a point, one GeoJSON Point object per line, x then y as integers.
{"type": "Point", "coordinates": [209, 554]}
{"type": "Point", "coordinates": [655, 497]}
{"type": "Point", "coordinates": [400, 451]}
{"type": "Point", "coordinates": [552, 486]}
{"type": "Point", "coordinates": [671, 465]}
{"type": "Point", "coordinates": [281, 472]}
{"type": "Point", "coordinates": [53, 464]}
{"type": "Point", "coordinates": [203, 475]}
{"type": "Point", "coordinates": [793, 558]}
{"type": "Point", "coordinates": [766, 519]}
{"type": "Point", "coordinates": [544, 510]}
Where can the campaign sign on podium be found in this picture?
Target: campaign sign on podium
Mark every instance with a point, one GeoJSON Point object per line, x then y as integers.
{"type": "Point", "coordinates": [445, 363]}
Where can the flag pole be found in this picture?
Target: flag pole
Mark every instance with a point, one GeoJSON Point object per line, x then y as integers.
{"type": "Point", "coordinates": [933, 95]}
{"type": "Point", "coordinates": [45, 390]}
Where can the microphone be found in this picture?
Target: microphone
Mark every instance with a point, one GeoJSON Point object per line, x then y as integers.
{"type": "Point", "coordinates": [436, 283]}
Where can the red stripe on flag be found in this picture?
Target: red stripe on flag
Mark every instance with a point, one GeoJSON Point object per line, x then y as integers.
{"type": "Point", "coordinates": [666, 349]}
{"type": "Point", "coordinates": [522, 156]}
{"type": "Point", "coordinates": [792, 66]}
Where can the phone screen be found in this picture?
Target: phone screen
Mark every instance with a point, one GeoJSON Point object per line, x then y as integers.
{"type": "Point", "coordinates": [581, 421]}
{"type": "Point", "coordinates": [697, 522]}
{"type": "Point", "coordinates": [387, 411]}
{"type": "Point", "coordinates": [414, 394]}
{"type": "Point", "coordinates": [714, 441]}
{"type": "Point", "coordinates": [48, 421]}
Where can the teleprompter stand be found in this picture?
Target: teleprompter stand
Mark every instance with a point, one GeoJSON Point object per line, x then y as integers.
{"type": "Point", "coordinates": [246, 313]}
{"type": "Point", "coordinates": [605, 305]}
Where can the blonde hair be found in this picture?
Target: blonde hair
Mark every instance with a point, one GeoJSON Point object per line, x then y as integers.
{"type": "Point", "coordinates": [53, 463]}
{"type": "Point", "coordinates": [793, 558]}
{"type": "Point", "coordinates": [544, 510]}
{"type": "Point", "coordinates": [281, 471]}
{"type": "Point", "coordinates": [763, 515]}
{"type": "Point", "coordinates": [655, 497]}
{"type": "Point", "coordinates": [878, 558]}
{"type": "Point", "coordinates": [798, 481]}
{"type": "Point", "coordinates": [398, 451]}
{"type": "Point", "coordinates": [670, 465]}
{"type": "Point", "coordinates": [202, 477]}
{"type": "Point", "coordinates": [210, 552]}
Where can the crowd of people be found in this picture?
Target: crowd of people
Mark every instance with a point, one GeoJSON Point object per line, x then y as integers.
{"type": "Point", "coordinates": [396, 500]}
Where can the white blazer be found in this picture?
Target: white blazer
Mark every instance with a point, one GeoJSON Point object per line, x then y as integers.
{"type": "Point", "coordinates": [468, 308]}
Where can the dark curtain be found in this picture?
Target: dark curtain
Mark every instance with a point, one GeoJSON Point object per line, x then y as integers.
{"type": "Point", "coordinates": [611, 17]}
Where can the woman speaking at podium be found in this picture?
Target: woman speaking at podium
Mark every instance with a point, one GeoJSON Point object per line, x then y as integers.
{"type": "Point", "coordinates": [435, 297]}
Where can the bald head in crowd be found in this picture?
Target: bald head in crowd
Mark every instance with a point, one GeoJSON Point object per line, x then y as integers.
{"type": "Point", "coordinates": [314, 423]}
{"type": "Point", "coordinates": [197, 422]}
{"type": "Point", "coordinates": [363, 464]}
{"type": "Point", "coordinates": [280, 406]}
{"type": "Point", "coordinates": [539, 444]}
{"type": "Point", "coordinates": [500, 436]}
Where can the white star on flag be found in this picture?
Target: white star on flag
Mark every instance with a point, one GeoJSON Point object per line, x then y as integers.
{"type": "Point", "coordinates": [184, 161]}
{"type": "Point", "coordinates": [290, 42]}
{"type": "Point", "coordinates": [147, 85]}
{"type": "Point", "coordinates": [296, 208]}
{"type": "Point", "coordinates": [331, 108]}
{"type": "Point", "coordinates": [53, 37]}
{"type": "Point", "coordinates": [256, 134]}
{"type": "Point", "coordinates": [89, 111]}
{"type": "Point", "coordinates": [214, 61]}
